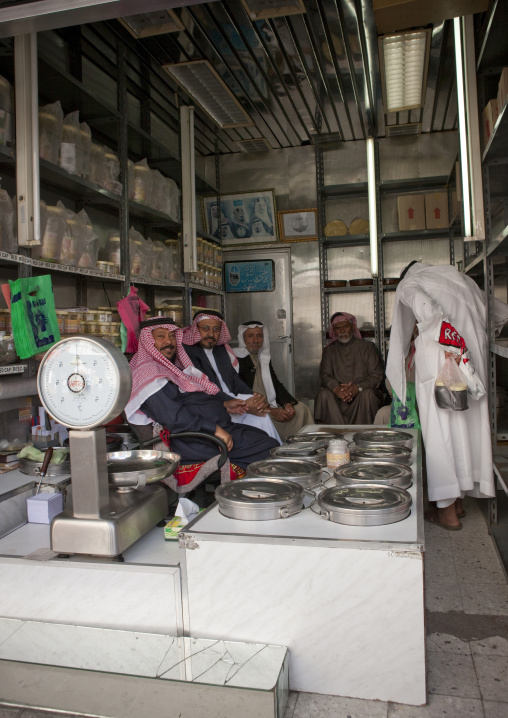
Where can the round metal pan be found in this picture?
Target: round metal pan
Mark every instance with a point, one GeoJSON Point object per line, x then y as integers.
{"type": "Point", "coordinates": [259, 499]}
{"type": "Point", "coordinates": [305, 473]}
{"type": "Point", "coordinates": [383, 437]}
{"type": "Point", "coordinates": [305, 450]}
{"type": "Point", "coordinates": [334, 283]}
{"type": "Point", "coordinates": [140, 467]}
{"type": "Point", "coordinates": [368, 505]}
{"type": "Point", "coordinates": [391, 281]}
{"type": "Point", "coordinates": [374, 473]}
{"type": "Point", "coordinates": [321, 438]}
{"type": "Point", "coordinates": [367, 282]}
{"type": "Point", "coordinates": [33, 468]}
{"type": "Point", "coordinates": [378, 453]}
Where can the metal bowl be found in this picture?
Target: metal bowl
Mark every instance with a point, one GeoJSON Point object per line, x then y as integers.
{"type": "Point", "coordinates": [305, 450]}
{"type": "Point", "coordinates": [386, 454]}
{"type": "Point", "coordinates": [383, 437]}
{"type": "Point", "coordinates": [305, 473]}
{"type": "Point", "coordinates": [369, 505]}
{"type": "Point", "coordinates": [321, 438]}
{"type": "Point", "coordinates": [33, 468]}
{"type": "Point", "coordinates": [137, 468]}
{"type": "Point", "coordinates": [259, 499]}
{"type": "Point", "coordinates": [374, 473]}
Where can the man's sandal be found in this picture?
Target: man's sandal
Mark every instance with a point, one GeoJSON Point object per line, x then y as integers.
{"type": "Point", "coordinates": [431, 518]}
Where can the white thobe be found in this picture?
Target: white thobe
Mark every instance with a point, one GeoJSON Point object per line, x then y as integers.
{"type": "Point", "coordinates": [458, 444]}
{"type": "Point", "coordinates": [260, 422]}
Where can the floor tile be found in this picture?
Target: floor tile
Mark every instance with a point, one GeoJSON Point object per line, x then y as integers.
{"type": "Point", "coordinates": [492, 672]}
{"type": "Point", "coordinates": [293, 697]}
{"type": "Point", "coordinates": [492, 646]}
{"type": "Point", "coordinates": [440, 568]}
{"type": "Point", "coordinates": [442, 596]}
{"type": "Point", "coordinates": [445, 643]}
{"type": "Point", "coordinates": [489, 572]}
{"type": "Point", "coordinates": [439, 707]}
{"type": "Point", "coordinates": [314, 705]}
{"type": "Point", "coordinates": [451, 674]}
{"type": "Point", "coordinates": [492, 709]}
{"type": "Point", "coordinates": [491, 599]}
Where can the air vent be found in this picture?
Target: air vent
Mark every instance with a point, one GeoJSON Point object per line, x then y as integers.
{"type": "Point", "coordinates": [259, 144]}
{"type": "Point", "coordinates": [414, 128]}
{"type": "Point", "coordinates": [152, 23]}
{"type": "Point", "coordinates": [203, 83]}
{"type": "Point", "coordinates": [262, 9]}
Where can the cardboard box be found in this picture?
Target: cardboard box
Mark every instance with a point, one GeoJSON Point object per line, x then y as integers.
{"type": "Point", "coordinates": [42, 508]}
{"type": "Point", "coordinates": [489, 117]}
{"type": "Point", "coordinates": [502, 92]}
{"type": "Point", "coordinates": [411, 210]}
{"type": "Point", "coordinates": [436, 210]}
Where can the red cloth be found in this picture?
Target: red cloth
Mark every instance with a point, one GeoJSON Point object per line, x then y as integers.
{"type": "Point", "coordinates": [191, 335]}
{"type": "Point", "coordinates": [343, 317]}
{"type": "Point", "coordinates": [449, 336]}
{"type": "Point", "coordinates": [132, 311]}
{"type": "Point", "coordinates": [148, 364]}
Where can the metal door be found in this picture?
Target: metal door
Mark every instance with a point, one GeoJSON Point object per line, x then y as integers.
{"type": "Point", "coordinates": [273, 307]}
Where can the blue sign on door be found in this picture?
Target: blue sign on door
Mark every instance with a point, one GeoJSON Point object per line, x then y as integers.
{"type": "Point", "coordinates": [258, 276]}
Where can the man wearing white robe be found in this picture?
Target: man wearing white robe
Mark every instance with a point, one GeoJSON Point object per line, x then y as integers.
{"type": "Point", "coordinates": [458, 444]}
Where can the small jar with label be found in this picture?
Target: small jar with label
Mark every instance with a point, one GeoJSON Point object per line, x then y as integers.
{"type": "Point", "coordinates": [113, 248]}
{"type": "Point", "coordinates": [104, 314]}
{"type": "Point", "coordinates": [337, 454]}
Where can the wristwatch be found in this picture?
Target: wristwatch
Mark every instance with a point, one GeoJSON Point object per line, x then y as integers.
{"type": "Point", "coordinates": [360, 388]}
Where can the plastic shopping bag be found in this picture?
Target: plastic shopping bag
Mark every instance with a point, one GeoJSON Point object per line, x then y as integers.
{"type": "Point", "coordinates": [34, 322]}
{"type": "Point", "coordinates": [475, 387]}
{"type": "Point", "coordinates": [450, 389]}
{"type": "Point", "coordinates": [405, 414]}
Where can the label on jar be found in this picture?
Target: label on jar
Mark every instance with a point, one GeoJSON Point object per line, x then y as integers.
{"type": "Point", "coordinates": [335, 460]}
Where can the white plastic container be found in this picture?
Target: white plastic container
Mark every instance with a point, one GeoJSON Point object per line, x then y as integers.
{"type": "Point", "coordinates": [337, 454]}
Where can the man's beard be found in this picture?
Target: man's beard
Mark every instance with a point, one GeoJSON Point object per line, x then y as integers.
{"type": "Point", "coordinates": [344, 339]}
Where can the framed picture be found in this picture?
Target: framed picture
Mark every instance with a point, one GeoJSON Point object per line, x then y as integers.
{"type": "Point", "coordinates": [244, 217]}
{"type": "Point", "coordinates": [298, 225]}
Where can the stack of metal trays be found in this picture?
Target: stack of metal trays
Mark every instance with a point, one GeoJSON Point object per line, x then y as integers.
{"type": "Point", "coordinates": [33, 468]}
{"type": "Point", "coordinates": [383, 437]}
{"type": "Point", "coordinates": [368, 505]}
{"type": "Point", "coordinates": [385, 454]}
{"type": "Point", "coordinates": [305, 473]}
{"type": "Point", "coordinates": [259, 499]}
{"type": "Point", "coordinates": [306, 450]}
{"type": "Point", "coordinates": [322, 438]}
{"type": "Point", "coordinates": [374, 473]}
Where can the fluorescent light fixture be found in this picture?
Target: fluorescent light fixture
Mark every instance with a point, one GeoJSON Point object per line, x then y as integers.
{"type": "Point", "coordinates": [148, 24]}
{"type": "Point", "coordinates": [371, 182]}
{"type": "Point", "coordinates": [404, 58]}
{"type": "Point", "coordinates": [464, 162]}
{"type": "Point", "coordinates": [205, 86]}
{"type": "Point", "coordinates": [262, 9]}
{"type": "Point", "coordinates": [188, 189]}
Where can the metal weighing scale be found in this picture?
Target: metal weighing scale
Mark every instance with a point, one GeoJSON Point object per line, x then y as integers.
{"type": "Point", "coordinates": [84, 383]}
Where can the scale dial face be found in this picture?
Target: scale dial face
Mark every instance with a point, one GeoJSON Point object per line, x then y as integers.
{"type": "Point", "coordinates": [84, 382]}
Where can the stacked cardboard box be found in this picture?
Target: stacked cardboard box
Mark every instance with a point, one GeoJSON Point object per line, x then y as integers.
{"type": "Point", "coordinates": [423, 211]}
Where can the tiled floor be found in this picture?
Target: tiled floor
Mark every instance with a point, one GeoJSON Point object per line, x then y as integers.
{"type": "Point", "coordinates": [467, 634]}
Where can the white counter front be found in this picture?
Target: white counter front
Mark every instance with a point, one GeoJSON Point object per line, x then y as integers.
{"type": "Point", "coordinates": [346, 600]}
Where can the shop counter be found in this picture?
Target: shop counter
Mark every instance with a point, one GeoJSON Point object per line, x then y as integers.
{"type": "Point", "coordinates": [348, 601]}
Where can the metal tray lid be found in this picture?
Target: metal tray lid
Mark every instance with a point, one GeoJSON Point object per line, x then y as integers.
{"type": "Point", "coordinates": [366, 499]}
{"type": "Point", "coordinates": [300, 448]}
{"type": "Point", "coordinates": [259, 492]}
{"type": "Point", "coordinates": [373, 472]}
{"type": "Point", "coordinates": [387, 437]}
{"type": "Point", "coordinates": [321, 438]}
{"type": "Point", "coordinates": [392, 454]}
{"type": "Point", "coordinates": [283, 468]}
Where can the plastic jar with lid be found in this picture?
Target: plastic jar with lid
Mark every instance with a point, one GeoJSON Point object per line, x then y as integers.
{"type": "Point", "coordinates": [142, 182]}
{"type": "Point", "coordinates": [97, 173]}
{"type": "Point", "coordinates": [337, 454]}
{"type": "Point", "coordinates": [61, 317]}
{"type": "Point", "coordinates": [91, 327]}
{"type": "Point", "coordinates": [69, 147]}
{"type": "Point", "coordinates": [113, 248]}
{"type": "Point", "coordinates": [69, 249]}
{"type": "Point", "coordinates": [49, 144]}
{"type": "Point", "coordinates": [53, 234]}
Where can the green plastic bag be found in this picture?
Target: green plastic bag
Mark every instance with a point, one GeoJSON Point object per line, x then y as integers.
{"type": "Point", "coordinates": [405, 415]}
{"type": "Point", "coordinates": [34, 321]}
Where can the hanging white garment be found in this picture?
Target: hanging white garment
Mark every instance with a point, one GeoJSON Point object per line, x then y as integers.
{"type": "Point", "coordinates": [458, 444]}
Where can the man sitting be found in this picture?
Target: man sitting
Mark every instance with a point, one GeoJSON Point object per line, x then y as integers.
{"type": "Point", "coordinates": [350, 373]}
{"type": "Point", "coordinates": [168, 390]}
{"type": "Point", "coordinates": [206, 342]}
{"type": "Point", "coordinates": [255, 368]}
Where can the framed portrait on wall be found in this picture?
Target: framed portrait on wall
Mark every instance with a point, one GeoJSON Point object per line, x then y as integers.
{"type": "Point", "coordinates": [243, 217]}
{"type": "Point", "coordinates": [298, 225]}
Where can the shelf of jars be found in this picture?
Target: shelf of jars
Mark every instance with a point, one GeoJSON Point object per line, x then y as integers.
{"type": "Point", "coordinates": [166, 283]}
{"type": "Point", "coordinates": [67, 269]}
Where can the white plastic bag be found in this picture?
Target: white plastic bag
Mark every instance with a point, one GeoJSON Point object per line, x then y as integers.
{"type": "Point", "coordinates": [475, 387]}
{"type": "Point", "coordinates": [450, 389]}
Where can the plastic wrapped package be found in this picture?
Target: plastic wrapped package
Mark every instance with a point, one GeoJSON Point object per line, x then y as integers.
{"type": "Point", "coordinates": [50, 131]}
{"type": "Point", "coordinates": [71, 239]}
{"type": "Point", "coordinates": [88, 249]}
{"type": "Point", "coordinates": [112, 252]}
{"type": "Point", "coordinates": [7, 241]}
{"type": "Point", "coordinates": [70, 147]}
{"type": "Point", "coordinates": [86, 145]}
{"type": "Point", "coordinates": [175, 260]}
{"type": "Point", "coordinates": [112, 164]}
{"type": "Point", "coordinates": [142, 183]}
{"type": "Point", "coordinates": [97, 170]}
{"type": "Point", "coordinates": [54, 227]}
{"type": "Point", "coordinates": [137, 254]}
{"type": "Point", "coordinates": [7, 121]}
{"type": "Point", "coordinates": [157, 263]}
{"type": "Point", "coordinates": [171, 199]}
{"type": "Point", "coordinates": [7, 350]}
{"type": "Point", "coordinates": [156, 197]}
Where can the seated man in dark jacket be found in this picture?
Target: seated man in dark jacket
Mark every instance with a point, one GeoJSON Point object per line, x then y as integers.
{"type": "Point", "coordinates": [168, 390]}
{"type": "Point", "coordinates": [256, 370]}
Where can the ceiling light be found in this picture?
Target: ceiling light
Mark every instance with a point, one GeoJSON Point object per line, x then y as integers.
{"type": "Point", "coordinates": [262, 9]}
{"type": "Point", "coordinates": [152, 23]}
{"type": "Point", "coordinates": [404, 61]}
{"type": "Point", "coordinates": [371, 180]}
{"type": "Point", "coordinates": [205, 86]}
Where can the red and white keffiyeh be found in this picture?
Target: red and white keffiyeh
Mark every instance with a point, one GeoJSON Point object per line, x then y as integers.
{"type": "Point", "coordinates": [342, 317]}
{"type": "Point", "coordinates": [191, 334]}
{"type": "Point", "coordinates": [151, 370]}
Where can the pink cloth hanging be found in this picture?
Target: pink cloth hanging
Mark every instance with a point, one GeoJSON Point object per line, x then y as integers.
{"type": "Point", "coordinates": [132, 311]}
